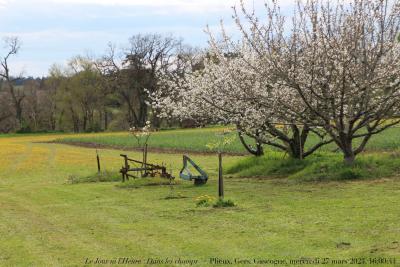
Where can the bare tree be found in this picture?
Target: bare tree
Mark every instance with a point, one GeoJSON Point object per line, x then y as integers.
{"type": "Point", "coordinates": [6, 122]}
{"type": "Point", "coordinates": [109, 69]}
{"type": "Point", "coordinates": [134, 75]}
{"type": "Point", "coordinates": [146, 56]}
{"type": "Point", "coordinates": [12, 46]}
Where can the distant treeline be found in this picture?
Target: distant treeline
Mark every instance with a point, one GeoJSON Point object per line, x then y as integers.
{"type": "Point", "coordinates": [110, 92]}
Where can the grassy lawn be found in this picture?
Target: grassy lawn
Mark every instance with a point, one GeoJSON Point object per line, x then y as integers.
{"type": "Point", "coordinates": [187, 139]}
{"type": "Point", "coordinates": [45, 221]}
{"type": "Point", "coordinates": [197, 140]}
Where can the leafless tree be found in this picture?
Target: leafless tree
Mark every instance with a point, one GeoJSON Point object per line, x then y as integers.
{"type": "Point", "coordinates": [6, 122]}
{"type": "Point", "coordinates": [133, 75]}
{"type": "Point", "coordinates": [12, 46]}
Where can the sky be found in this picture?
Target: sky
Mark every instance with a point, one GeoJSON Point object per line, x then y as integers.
{"type": "Point", "coordinates": [53, 31]}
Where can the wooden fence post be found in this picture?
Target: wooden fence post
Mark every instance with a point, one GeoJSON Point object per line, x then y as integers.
{"type": "Point", "coordinates": [126, 167]}
{"type": "Point", "coordinates": [145, 160]}
{"type": "Point", "coordinates": [220, 178]}
{"type": "Point", "coordinates": [98, 162]}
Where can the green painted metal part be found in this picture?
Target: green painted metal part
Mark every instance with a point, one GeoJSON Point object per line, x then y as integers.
{"type": "Point", "coordinates": [187, 175]}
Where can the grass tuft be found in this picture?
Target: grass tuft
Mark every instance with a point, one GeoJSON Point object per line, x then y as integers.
{"type": "Point", "coordinates": [204, 201]}
{"type": "Point", "coordinates": [222, 203]}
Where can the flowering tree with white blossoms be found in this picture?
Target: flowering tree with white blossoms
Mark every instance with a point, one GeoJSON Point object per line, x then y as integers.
{"type": "Point", "coordinates": [333, 66]}
{"type": "Point", "coordinates": [341, 59]}
{"type": "Point", "coordinates": [233, 88]}
{"type": "Point", "coordinates": [141, 134]}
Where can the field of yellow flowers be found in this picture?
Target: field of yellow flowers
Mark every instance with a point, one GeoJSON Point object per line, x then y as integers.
{"type": "Point", "coordinates": [46, 221]}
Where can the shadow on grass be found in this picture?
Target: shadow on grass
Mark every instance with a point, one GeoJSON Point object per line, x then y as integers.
{"type": "Point", "coordinates": [116, 177]}
{"type": "Point", "coordinates": [148, 181]}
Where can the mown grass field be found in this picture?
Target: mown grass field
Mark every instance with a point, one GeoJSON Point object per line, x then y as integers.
{"type": "Point", "coordinates": [197, 140]}
{"type": "Point", "coordinates": [46, 221]}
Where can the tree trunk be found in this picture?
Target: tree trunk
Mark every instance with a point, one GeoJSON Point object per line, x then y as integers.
{"type": "Point", "coordinates": [349, 159]}
{"type": "Point", "coordinates": [84, 123]}
{"type": "Point", "coordinates": [75, 120]}
{"type": "Point", "coordinates": [91, 120]}
{"type": "Point", "coordinates": [18, 110]}
{"type": "Point", "coordinates": [53, 122]}
{"type": "Point", "coordinates": [105, 120]}
{"type": "Point", "coordinates": [132, 118]}
{"type": "Point", "coordinates": [142, 114]}
{"type": "Point", "coordinates": [294, 149]}
{"type": "Point", "coordinates": [156, 121]}
{"type": "Point", "coordinates": [60, 119]}
{"type": "Point", "coordinates": [347, 148]}
{"type": "Point", "coordinates": [257, 151]}
{"type": "Point", "coordinates": [17, 104]}
{"type": "Point", "coordinates": [296, 144]}
{"type": "Point", "coordinates": [53, 119]}
{"type": "Point", "coordinates": [349, 155]}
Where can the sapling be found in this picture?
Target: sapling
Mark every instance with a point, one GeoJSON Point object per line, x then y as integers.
{"type": "Point", "coordinates": [224, 138]}
{"type": "Point", "coordinates": [142, 136]}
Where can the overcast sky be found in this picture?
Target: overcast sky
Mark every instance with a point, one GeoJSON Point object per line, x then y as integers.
{"type": "Point", "coordinates": [52, 31]}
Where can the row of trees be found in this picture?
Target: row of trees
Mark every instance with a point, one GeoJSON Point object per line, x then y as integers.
{"type": "Point", "coordinates": [89, 93]}
{"type": "Point", "coordinates": [331, 70]}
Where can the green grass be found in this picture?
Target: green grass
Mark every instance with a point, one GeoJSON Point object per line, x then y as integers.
{"type": "Point", "coordinates": [7, 135]}
{"type": "Point", "coordinates": [95, 178]}
{"type": "Point", "coordinates": [224, 203]}
{"type": "Point", "coordinates": [197, 140]}
{"type": "Point", "coordinates": [46, 221]}
{"type": "Point", "coordinates": [148, 181]}
{"type": "Point", "coordinates": [189, 140]}
{"type": "Point", "coordinates": [318, 167]}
